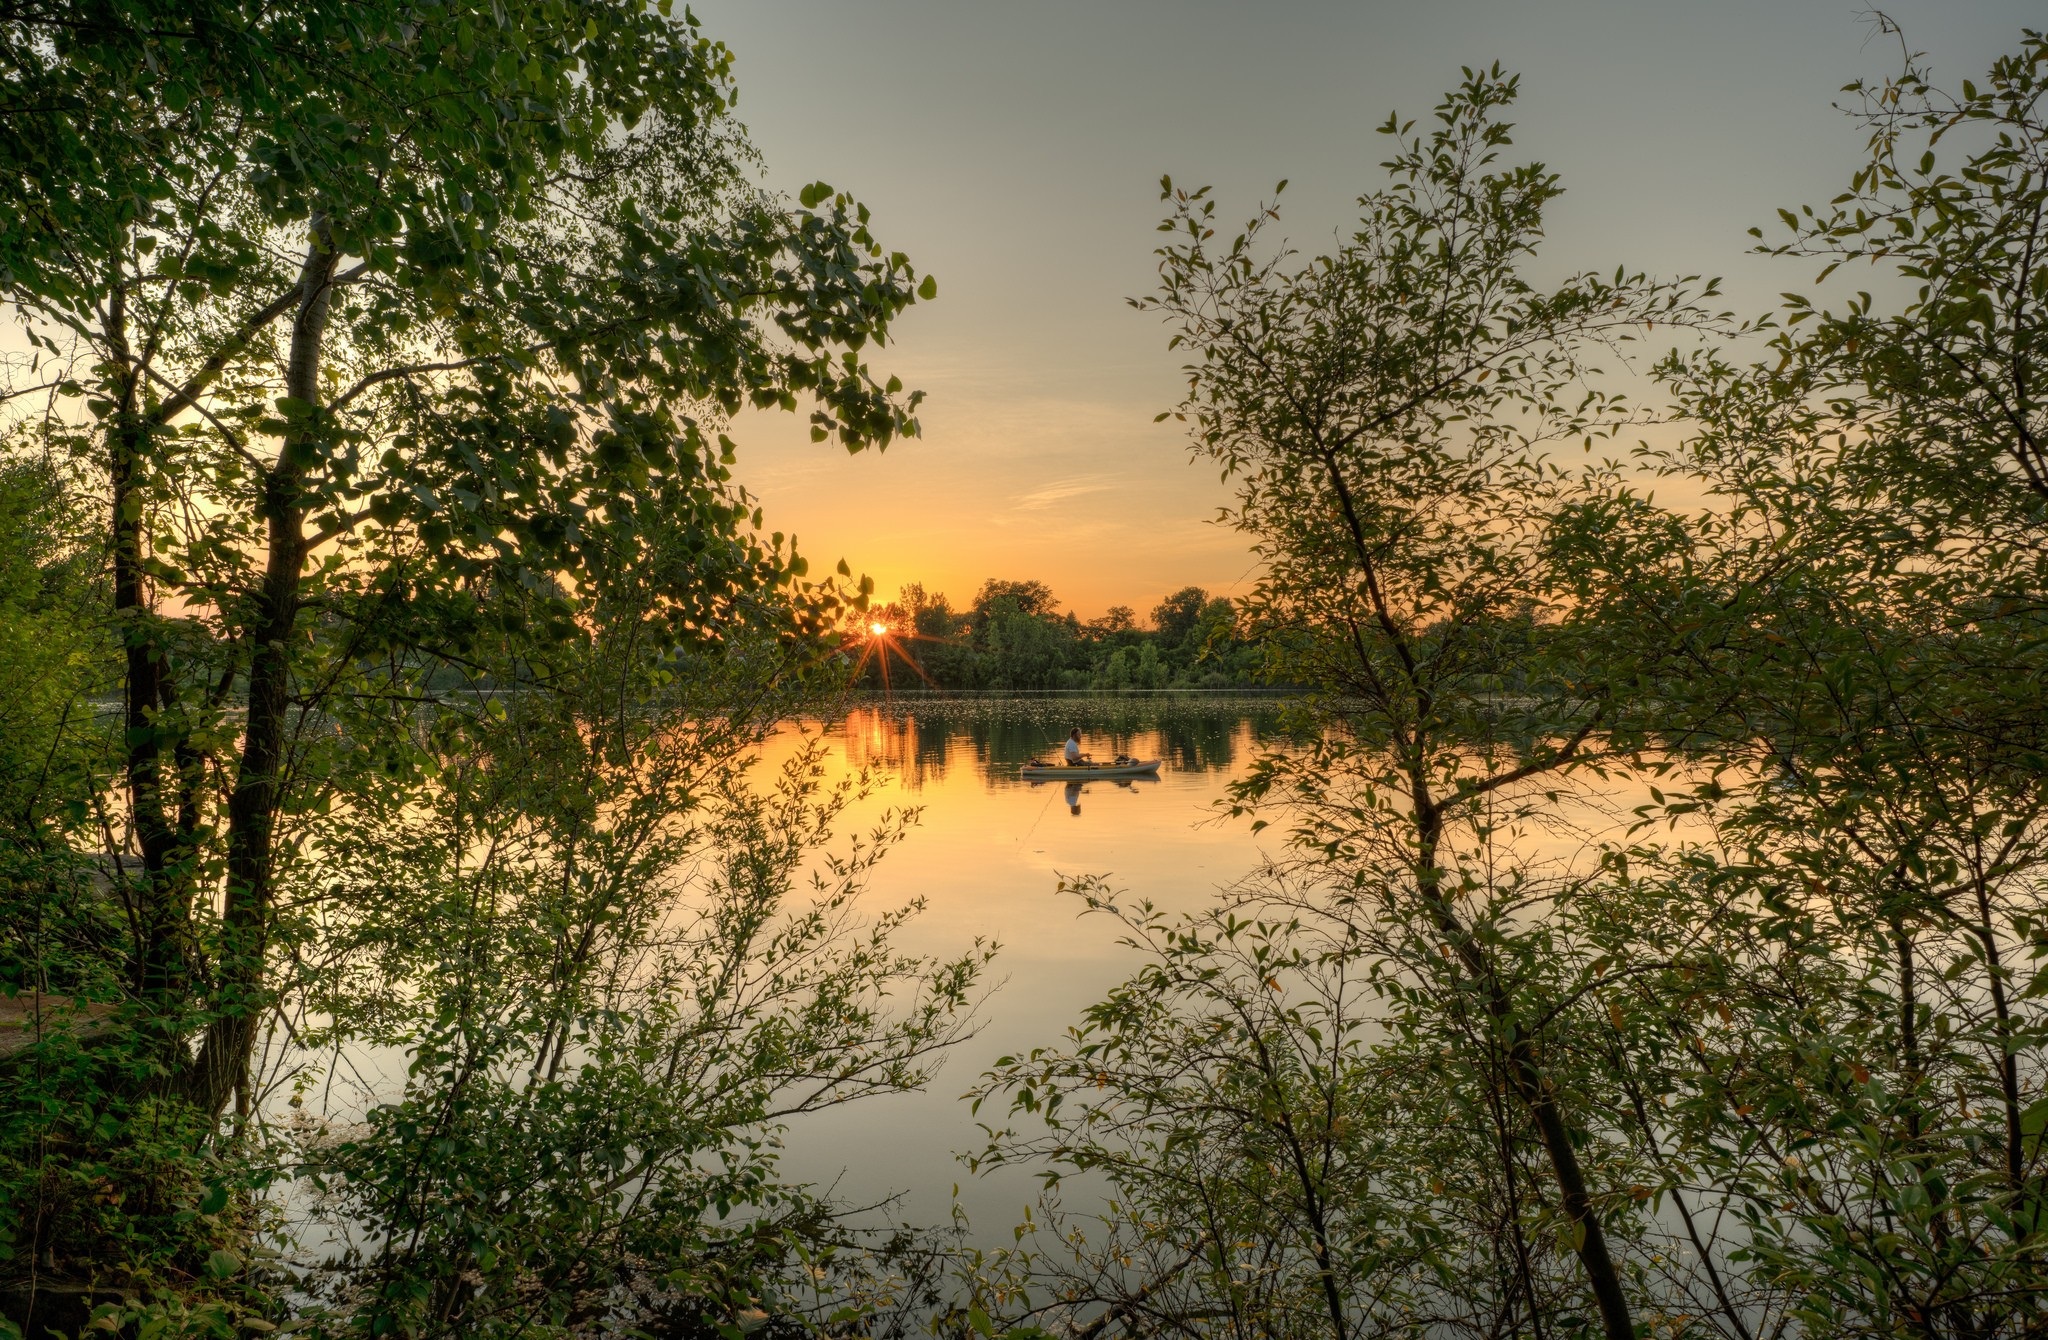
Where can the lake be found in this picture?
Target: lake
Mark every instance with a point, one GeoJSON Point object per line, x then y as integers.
{"type": "Point", "coordinates": [987, 856]}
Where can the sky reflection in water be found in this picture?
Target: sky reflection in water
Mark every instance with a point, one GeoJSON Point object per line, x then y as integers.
{"type": "Point", "coordinates": [987, 856]}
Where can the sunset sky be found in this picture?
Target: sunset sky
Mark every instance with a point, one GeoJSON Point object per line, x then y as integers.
{"type": "Point", "coordinates": [1014, 151]}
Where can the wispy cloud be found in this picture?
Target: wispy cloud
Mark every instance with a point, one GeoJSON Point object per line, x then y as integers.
{"type": "Point", "coordinates": [1073, 486]}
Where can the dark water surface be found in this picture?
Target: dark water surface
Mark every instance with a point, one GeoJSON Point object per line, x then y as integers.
{"type": "Point", "coordinates": [987, 856]}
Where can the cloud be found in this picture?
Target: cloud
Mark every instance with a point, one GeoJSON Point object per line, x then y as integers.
{"type": "Point", "coordinates": [1073, 486]}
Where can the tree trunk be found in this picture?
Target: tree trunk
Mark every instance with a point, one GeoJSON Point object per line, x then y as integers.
{"type": "Point", "coordinates": [239, 995]}
{"type": "Point", "coordinates": [1525, 1076]}
{"type": "Point", "coordinates": [2008, 1051]}
{"type": "Point", "coordinates": [160, 965]}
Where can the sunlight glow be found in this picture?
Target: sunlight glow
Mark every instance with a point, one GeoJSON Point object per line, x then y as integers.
{"type": "Point", "coordinates": [878, 629]}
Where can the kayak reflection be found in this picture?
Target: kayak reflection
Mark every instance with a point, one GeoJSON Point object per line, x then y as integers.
{"type": "Point", "coordinates": [1072, 790]}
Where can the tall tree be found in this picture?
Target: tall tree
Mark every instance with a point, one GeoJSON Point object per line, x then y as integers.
{"type": "Point", "coordinates": [384, 328]}
{"type": "Point", "coordinates": [1175, 616]}
{"type": "Point", "coordinates": [1385, 411]}
{"type": "Point", "coordinates": [1857, 615]}
{"type": "Point", "coordinates": [1028, 597]}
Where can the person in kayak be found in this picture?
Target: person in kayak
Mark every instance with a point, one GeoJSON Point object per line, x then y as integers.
{"type": "Point", "coordinates": [1073, 750]}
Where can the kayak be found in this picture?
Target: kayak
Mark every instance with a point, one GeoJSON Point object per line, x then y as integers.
{"type": "Point", "coordinates": [1082, 771]}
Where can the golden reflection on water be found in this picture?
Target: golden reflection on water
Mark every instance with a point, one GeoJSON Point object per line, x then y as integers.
{"type": "Point", "coordinates": [917, 744]}
{"type": "Point", "coordinates": [987, 857]}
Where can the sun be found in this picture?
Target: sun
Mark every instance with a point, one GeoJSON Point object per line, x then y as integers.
{"type": "Point", "coordinates": [884, 639]}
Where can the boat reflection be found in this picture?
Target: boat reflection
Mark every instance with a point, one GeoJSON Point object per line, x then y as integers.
{"type": "Point", "coordinates": [1073, 791]}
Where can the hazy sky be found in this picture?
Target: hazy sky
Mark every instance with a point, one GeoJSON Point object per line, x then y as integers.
{"type": "Point", "coordinates": [1014, 151]}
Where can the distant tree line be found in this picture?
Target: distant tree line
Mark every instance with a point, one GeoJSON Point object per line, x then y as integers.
{"type": "Point", "coordinates": [1013, 637]}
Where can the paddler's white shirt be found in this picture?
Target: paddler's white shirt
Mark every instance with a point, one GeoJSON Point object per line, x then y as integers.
{"type": "Point", "coordinates": [1073, 750]}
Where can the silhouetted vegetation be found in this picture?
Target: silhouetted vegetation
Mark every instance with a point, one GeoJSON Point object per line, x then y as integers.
{"type": "Point", "coordinates": [1766, 1057]}
{"type": "Point", "coordinates": [1013, 637]}
{"type": "Point", "coordinates": [366, 358]}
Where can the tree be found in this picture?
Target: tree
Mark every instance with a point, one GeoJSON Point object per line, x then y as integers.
{"type": "Point", "coordinates": [382, 332]}
{"type": "Point", "coordinates": [1943, 392]}
{"type": "Point", "coordinates": [519, 283]}
{"type": "Point", "coordinates": [1841, 1039]}
{"type": "Point", "coordinates": [1022, 649]}
{"type": "Point", "coordinates": [594, 939]}
{"type": "Point", "coordinates": [1383, 411]}
{"type": "Point", "coordinates": [1770, 1059]}
{"type": "Point", "coordinates": [1033, 598]}
{"type": "Point", "coordinates": [1118, 619]}
{"type": "Point", "coordinates": [52, 620]}
{"type": "Point", "coordinates": [1149, 671]}
{"type": "Point", "coordinates": [940, 637]}
{"type": "Point", "coordinates": [1174, 617]}
{"type": "Point", "coordinates": [1277, 1170]}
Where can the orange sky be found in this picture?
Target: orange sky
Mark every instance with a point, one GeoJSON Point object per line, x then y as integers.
{"type": "Point", "coordinates": [1012, 479]}
{"type": "Point", "coordinates": [1014, 151]}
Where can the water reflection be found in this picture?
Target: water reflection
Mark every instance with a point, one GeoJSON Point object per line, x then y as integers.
{"type": "Point", "coordinates": [920, 740]}
{"type": "Point", "coordinates": [986, 860]}
{"type": "Point", "coordinates": [1071, 792]}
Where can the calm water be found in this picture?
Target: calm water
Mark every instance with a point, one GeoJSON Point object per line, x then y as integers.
{"type": "Point", "coordinates": [987, 856]}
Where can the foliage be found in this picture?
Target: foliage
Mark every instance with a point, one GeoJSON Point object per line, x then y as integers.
{"type": "Point", "coordinates": [1278, 1170]}
{"type": "Point", "coordinates": [420, 952]}
{"type": "Point", "coordinates": [1013, 638]}
{"type": "Point", "coordinates": [470, 338]}
{"type": "Point", "coordinates": [1766, 1057]}
{"type": "Point", "coordinates": [1383, 411]}
{"type": "Point", "coordinates": [598, 915]}
{"type": "Point", "coordinates": [379, 356]}
{"type": "Point", "coordinates": [53, 661]}
{"type": "Point", "coordinates": [1941, 394]}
